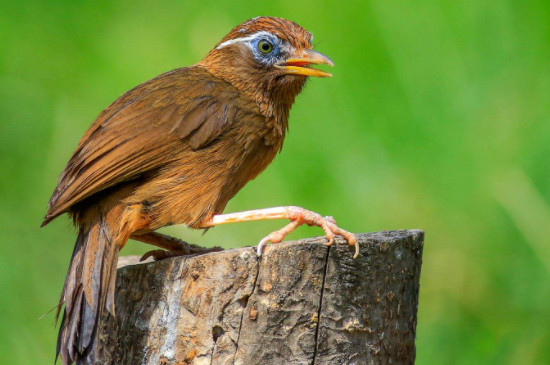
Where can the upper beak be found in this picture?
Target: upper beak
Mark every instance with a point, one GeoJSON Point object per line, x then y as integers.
{"type": "Point", "coordinates": [300, 65]}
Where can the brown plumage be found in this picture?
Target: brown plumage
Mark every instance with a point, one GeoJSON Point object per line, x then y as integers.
{"type": "Point", "coordinates": [174, 150]}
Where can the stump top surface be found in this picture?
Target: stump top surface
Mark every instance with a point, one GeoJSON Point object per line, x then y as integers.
{"type": "Point", "coordinates": [367, 241]}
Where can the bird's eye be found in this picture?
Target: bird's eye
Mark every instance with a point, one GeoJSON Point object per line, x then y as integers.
{"type": "Point", "coordinates": [265, 46]}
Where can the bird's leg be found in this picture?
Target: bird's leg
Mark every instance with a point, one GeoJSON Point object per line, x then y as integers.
{"type": "Point", "coordinates": [297, 215]}
{"type": "Point", "coordinates": [171, 246]}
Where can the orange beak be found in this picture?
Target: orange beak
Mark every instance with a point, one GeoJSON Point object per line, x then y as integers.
{"type": "Point", "coordinates": [300, 65]}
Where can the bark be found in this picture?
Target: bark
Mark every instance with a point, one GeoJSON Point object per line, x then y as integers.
{"type": "Point", "coordinates": [300, 303]}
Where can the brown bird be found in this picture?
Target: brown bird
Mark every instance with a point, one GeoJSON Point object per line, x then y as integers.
{"type": "Point", "coordinates": [174, 150]}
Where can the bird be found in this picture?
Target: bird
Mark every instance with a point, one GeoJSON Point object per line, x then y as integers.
{"type": "Point", "coordinates": [174, 150]}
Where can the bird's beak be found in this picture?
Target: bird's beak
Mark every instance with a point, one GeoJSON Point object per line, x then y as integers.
{"type": "Point", "coordinates": [299, 65]}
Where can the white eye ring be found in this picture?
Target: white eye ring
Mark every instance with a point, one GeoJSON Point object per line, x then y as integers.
{"type": "Point", "coordinates": [246, 39]}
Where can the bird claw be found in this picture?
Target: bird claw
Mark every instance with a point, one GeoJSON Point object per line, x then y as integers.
{"type": "Point", "coordinates": [332, 230]}
{"type": "Point", "coordinates": [158, 255]}
{"type": "Point", "coordinates": [301, 216]}
{"type": "Point", "coordinates": [273, 237]}
{"type": "Point", "coordinates": [261, 246]}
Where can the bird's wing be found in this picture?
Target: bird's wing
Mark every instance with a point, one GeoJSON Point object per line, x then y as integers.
{"type": "Point", "coordinates": [143, 130]}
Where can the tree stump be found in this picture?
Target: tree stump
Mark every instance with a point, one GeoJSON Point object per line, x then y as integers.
{"type": "Point", "coordinates": [300, 303]}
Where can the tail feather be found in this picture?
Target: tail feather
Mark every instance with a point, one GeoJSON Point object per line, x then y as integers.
{"type": "Point", "coordinates": [87, 293]}
{"type": "Point", "coordinates": [108, 279]}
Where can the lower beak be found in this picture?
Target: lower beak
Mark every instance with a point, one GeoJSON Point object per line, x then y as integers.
{"type": "Point", "coordinates": [301, 65]}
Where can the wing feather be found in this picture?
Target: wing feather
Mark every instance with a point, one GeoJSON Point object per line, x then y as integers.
{"type": "Point", "coordinates": [143, 130]}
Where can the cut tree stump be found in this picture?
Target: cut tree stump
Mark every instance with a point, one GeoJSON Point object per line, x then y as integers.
{"type": "Point", "coordinates": [300, 303]}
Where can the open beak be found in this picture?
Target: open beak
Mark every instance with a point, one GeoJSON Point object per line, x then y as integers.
{"type": "Point", "coordinates": [300, 65]}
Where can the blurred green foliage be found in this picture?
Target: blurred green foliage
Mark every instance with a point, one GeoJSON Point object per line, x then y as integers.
{"type": "Point", "coordinates": [437, 118]}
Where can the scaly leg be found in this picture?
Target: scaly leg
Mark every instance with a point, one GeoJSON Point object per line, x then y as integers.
{"type": "Point", "coordinates": [297, 215]}
{"type": "Point", "coordinates": [171, 246]}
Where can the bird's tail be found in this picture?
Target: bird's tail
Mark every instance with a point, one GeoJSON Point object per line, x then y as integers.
{"type": "Point", "coordinates": [88, 290]}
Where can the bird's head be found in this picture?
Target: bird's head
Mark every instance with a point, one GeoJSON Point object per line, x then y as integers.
{"type": "Point", "coordinates": [267, 57]}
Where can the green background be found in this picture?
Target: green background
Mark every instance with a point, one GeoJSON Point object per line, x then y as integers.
{"type": "Point", "coordinates": [437, 118]}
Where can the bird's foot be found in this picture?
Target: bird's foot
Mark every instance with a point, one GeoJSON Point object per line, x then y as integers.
{"type": "Point", "coordinates": [158, 255]}
{"type": "Point", "coordinates": [171, 246]}
{"type": "Point", "coordinates": [165, 254]}
{"type": "Point", "coordinates": [299, 216]}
